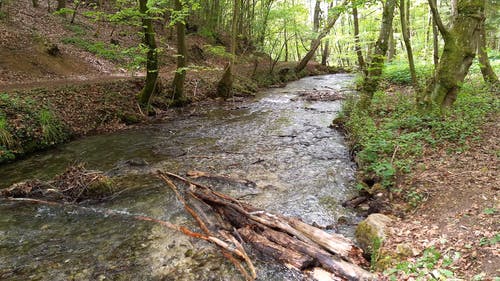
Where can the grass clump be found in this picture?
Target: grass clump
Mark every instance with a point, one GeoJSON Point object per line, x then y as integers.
{"type": "Point", "coordinates": [392, 135]}
{"type": "Point", "coordinates": [25, 127]}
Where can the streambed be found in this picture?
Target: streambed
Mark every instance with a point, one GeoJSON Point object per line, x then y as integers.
{"type": "Point", "coordinates": [281, 143]}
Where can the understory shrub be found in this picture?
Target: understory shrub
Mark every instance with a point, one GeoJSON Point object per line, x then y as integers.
{"type": "Point", "coordinates": [393, 134]}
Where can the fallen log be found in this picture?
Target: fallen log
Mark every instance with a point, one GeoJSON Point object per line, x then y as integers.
{"type": "Point", "coordinates": [287, 240]}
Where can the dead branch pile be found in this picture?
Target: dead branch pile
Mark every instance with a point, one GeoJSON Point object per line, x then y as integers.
{"type": "Point", "coordinates": [73, 185]}
{"type": "Point", "coordinates": [287, 240]}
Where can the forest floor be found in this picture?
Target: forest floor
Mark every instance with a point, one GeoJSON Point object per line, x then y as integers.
{"type": "Point", "coordinates": [456, 223]}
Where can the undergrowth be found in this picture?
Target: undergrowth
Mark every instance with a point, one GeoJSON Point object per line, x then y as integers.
{"type": "Point", "coordinates": [393, 134]}
{"type": "Point", "coordinates": [432, 265]}
{"type": "Point", "coordinates": [26, 127]}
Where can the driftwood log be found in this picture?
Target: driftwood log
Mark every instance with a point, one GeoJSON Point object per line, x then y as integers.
{"type": "Point", "coordinates": [287, 240]}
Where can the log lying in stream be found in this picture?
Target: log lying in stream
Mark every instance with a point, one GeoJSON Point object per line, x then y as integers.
{"type": "Point", "coordinates": [287, 240]}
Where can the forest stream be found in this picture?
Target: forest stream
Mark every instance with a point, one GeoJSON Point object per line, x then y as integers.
{"type": "Point", "coordinates": [280, 143]}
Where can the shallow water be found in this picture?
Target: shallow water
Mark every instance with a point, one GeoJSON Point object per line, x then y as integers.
{"type": "Point", "coordinates": [295, 165]}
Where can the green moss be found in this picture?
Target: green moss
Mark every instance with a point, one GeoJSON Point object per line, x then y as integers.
{"type": "Point", "coordinates": [368, 237]}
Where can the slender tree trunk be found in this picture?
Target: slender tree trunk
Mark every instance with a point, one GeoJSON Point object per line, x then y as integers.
{"type": "Point", "coordinates": [460, 46]}
{"type": "Point", "coordinates": [372, 80]}
{"type": "Point", "coordinates": [435, 43]}
{"type": "Point", "coordinates": [75, 11]}
{"type": "Point", "coordinates": [316, 42]}
{"type": "Point", "coordinates": [326, 52]}
{"type": "Point", "coordinates": [489, 74]}
{"type": "Point", "coordinates": [316, 18]}
{"type": "Point", "coordinates": [285, 37]}
{"type": "Point", "coordinates": [297, 47]}
{"type": "Point", "coordinates": [144, 96]}
{"type": "Point", "coordinates": [357, 45]}
{"type": "Point", "coordinates": [225, 85]}
{"type": "Point", "coordinates": [61, 4]}
{"type": "Point", "coordinates": [179, 97]}
{"type": "Point", "coordinates": [35, 3]}
{"type": "Point", "coordinates": [391, 51]}
{"type": "Point", "coordinates": [404, 8]}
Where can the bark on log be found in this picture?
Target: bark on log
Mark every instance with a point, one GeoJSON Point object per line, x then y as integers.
{"type": "Point", "coordinates": [267, 247]}
{"type": "Point", "coordinates": [278, 235]}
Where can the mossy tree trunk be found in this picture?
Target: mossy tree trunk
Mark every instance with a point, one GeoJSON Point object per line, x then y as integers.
{"type": "Point", "coordinates": [225, 85]}
{"type": "Point", "coordinates": [489, 74]}
{"type": "Point", "coordinates": [460, 45]}
{"type": "Point", "coordinates": [404, 9]}
{"type": "Point", "coordinates": [374, 71]}
{"type": "Point", "coordinates": [179, 97]}
{"type": "Point", "coordinates": [144, 96]}
{"type": "Point", "coordinates": [316, 42]}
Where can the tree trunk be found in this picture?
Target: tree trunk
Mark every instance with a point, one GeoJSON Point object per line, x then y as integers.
{"type": "Point", "coordinates": [179, 97]}
{"type": "Point", "coordinates": [435, 43]}
{"type": "Point", "coordinates": [391, 51]}
{"type": "Point", "coordinates": [372, 80]}
{"type": "Point", "coordinates": [225, 85]}
{"type": "Point", "coordinates": [316, 42]}
{"type": "Point", "coordinates": [152, 57]}
{"type": "Point", "coordinates": [75, 11]}
{"type": "Point", "coordinates": [326, 52]}
{"type": "Point", "coordinates": [61, 4]}
{"type": "Point", "coordinates": [35, 3]}
{"type": "Point", "coordinates": [404, 8]}
{"type": "Point", "coordinates": [357, 45]}
{"type": "Point", "coordinates": [460, 46]}
{"type": "Point", "coordinates": [316, 18]}
{"type": "Point", "coordinates": [489, 75]}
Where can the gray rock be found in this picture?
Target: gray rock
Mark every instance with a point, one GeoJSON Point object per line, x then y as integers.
{"type": "Point", "coordinates": [371, 232]}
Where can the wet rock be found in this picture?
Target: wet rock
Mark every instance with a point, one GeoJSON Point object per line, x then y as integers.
{"type": "Point", "coordinates": [129, 166]}
{"type": "Point", "coordinates": [371, 232]}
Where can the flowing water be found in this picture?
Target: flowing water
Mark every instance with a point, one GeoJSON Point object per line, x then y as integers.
{"type": "Point", "coordinates": [295, 165]}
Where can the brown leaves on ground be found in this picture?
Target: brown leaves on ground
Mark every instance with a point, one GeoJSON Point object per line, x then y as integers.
{"type": "Point", "coordinates": [460, 213]}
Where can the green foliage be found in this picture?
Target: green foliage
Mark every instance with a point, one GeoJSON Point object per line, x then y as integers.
{"type": "Point", "coordinates": [489, 211]}
{"type": "Point", "coordinates": [432, 261]}
{"type": "Point", "coordinates": [217, 51]}
{"type": "Point", "coordinates": [107, 51]}
{"type": "Point", "coordinates": [393, 134]}
{"type": "Point", "coordinates": [25, 127]}
{"type": "Point", "coordinates": [6, 139]}
{"type": "Point", "coordinates": [485, 241]}
{"type": "Point", "coordinates": [398, 72]}
{"type": "Point", "coordinates": [52, 129]}
{"type": "Point", "coordinates": [64, 12]}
